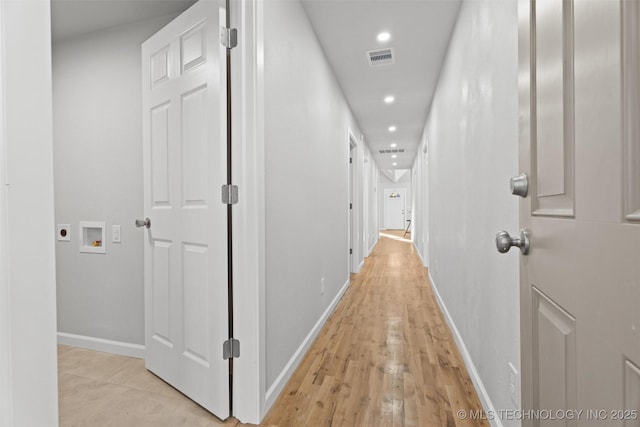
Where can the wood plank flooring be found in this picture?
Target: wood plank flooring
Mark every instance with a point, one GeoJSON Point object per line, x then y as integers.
{"type": "Point", "coordinates": [384, 358]}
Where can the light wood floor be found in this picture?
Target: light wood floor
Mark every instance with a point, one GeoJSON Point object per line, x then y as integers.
{"type": "Point", "coordinates": [384, 358]}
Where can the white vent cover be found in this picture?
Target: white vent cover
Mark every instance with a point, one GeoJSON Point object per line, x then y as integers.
{"type": "Point", "coordinates": [380, 57]}
{"type": "Point", "coordinates": [395, 150]}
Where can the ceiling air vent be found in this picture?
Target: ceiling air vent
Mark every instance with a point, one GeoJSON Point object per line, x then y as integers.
{"type": "Point", "coordinates": [395, 150]}
{"type": "Point", "coordinates": [380, 57]}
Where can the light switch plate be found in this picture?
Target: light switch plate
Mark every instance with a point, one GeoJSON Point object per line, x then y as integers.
{"type": "Point", "coordinates": [63, 232]}
{"type": "Point", "coordinates": [116, 236]}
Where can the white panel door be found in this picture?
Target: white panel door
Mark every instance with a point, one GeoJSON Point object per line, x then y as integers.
{"type": "Point", "coordinates": [579, 143]}
{"type": "Point", "coordinates": [394, 208]}
{"type": "Point", "coordinates": [184, 131]}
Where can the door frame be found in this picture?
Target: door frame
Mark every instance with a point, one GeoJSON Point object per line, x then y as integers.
{"type": "Point", "coordinates": [355, 196]}
{"type": "Point", "coordinates": [352, 155]}
{"type": "Point", "coordinates": [6, 386]}
{"type": "Point", "coordinates": [28, 371]}
{"type": "Point", "coordinates": [248, 163]}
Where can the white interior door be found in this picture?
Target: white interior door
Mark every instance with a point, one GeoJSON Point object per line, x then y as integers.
{"type": "Point", "coordinates": [184, 131]}
{"type": "Point", "coordinates": [394, 208]}
{"type": "Point", "coordinates": [580, 145]}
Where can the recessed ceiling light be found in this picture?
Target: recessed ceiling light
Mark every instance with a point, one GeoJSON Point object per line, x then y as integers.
{"type": "Point", "coordinates": [389, 99]}
{"type": "Point", "coordinates": [395, 164]}
{"type": "Point", "coordinates": [394, 145]}
{"type": "Point", "coordinates": [392, 128]}
{"type": "Point", "coordinates": [394, 156]}
{"type": "Point", "coordinates": [384, 37]}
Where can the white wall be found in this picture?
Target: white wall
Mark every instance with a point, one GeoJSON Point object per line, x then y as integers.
{"type": "Point", "coordinates": [472, 141]}
{"type": "Point", "coordinates": [98, 177]}
{"type": "Point", "coordinates": [306, 144]}
{"type": "Point", "coordinates": [385, 183]}
{"type": "Point", "coordinates": [28, 380]}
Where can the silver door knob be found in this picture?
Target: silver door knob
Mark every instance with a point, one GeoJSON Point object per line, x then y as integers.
{"type": "Point", "coordinates": [504, 242]}
{"type": "Point", "coordinates": [519, 185]}
{"type": "Point", "coordinates": [143, 223]}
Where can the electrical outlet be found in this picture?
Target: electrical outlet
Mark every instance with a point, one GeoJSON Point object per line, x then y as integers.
{"type": "Point", "coordinates": [322, 286]}
{"type": "Point", "coordinates": [63, 231]}
{"type": "Point", "coordinates": [116, 234]}
{"type": "Point", "coordinates": [514, 385]}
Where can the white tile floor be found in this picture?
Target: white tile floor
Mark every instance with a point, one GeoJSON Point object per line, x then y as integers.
{"type": "Point", "coordinates": [100, 389]}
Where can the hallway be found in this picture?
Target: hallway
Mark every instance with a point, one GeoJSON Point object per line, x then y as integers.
{"type": "Point", "coordinates": [385, 357]}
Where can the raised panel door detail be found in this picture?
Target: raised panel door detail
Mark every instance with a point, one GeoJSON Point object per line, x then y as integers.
{"type": "Point", "coordinates": [194, 147]}
{"type": "Point", "coordinates": [160, 155]}
{"type": "Point", "coordinates": [193, 47]}
{"type": "Point", "coordinates": [160, 67]}
{"type": "Point", "coordinates": [554, 353]}
{"type": "Point", "coordinates": [196, 298]}
{"type": "Point", "coordinates": [631, 108]}
{"type": "Point", "coordinates": [552, 107]}
{"type": "Point", "coordinates": [161, 298]}
{"type": "Point", "coordinates": [184, 146]}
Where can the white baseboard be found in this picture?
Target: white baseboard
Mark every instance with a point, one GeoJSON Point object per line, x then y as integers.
{"type": "Point", "coordinates": [419, 254]}
{"type": "Point", "coordinates": [373, 246]}
{"type": "Point", "coordinates": [485, 400]}
{"type": "Point", "coordinates": [360, 266]}
{"type": "Point", "coordinates": [101, 344]}
{"type": "Point", "coordinates": [276, 388]}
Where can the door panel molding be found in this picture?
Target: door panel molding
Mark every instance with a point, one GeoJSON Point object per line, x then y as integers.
{"type": "Point", "coordinates": [631, 108]}
{"type": "Point", "coordinates": [552, 117]}
{"type": "Point", "coordinates": [554, 355]}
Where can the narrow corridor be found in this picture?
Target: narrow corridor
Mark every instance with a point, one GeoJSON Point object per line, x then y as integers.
{"type": "Point", "coordinates": [384, 358]}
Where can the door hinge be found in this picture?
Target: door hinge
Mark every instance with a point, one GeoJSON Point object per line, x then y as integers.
{"type": "Point", "coordinates": [229, 194]}
{"type": "Point", "coordinates": [231, 349]}
{"type": "Point", "coordinates": [350, 251]}
{"type": "Point", "coordinates": [229, 37]}
{"type": "Point", "coordinates": [350, 159]}
{"type": "Point", "coordinates": [350, 205]}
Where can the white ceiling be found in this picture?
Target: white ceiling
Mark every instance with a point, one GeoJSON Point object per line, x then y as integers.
{"type": "Point", "coordinates": [347, 29]}
{"type": "Point", "coordinates": [420, 32]}
{"type": "Point", "coordinates": [71, 18]}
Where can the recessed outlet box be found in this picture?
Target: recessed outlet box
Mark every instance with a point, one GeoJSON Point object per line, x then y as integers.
{"type": "Point", "coordinates": [514, 385]}
{"type": "Point", "coordinates": [92, 237]}
{"type": "Point", "coordinates": [63, 232]}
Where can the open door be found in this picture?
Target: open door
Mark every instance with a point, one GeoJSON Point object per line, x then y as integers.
{"type": "Point", "coordinates": [580, 146]}
{"type": "Point", "coordinates": [184, 139]}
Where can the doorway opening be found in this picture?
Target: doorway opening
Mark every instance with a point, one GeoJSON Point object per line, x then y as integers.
{"type": "Point", "coordinates": [99, 175]}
